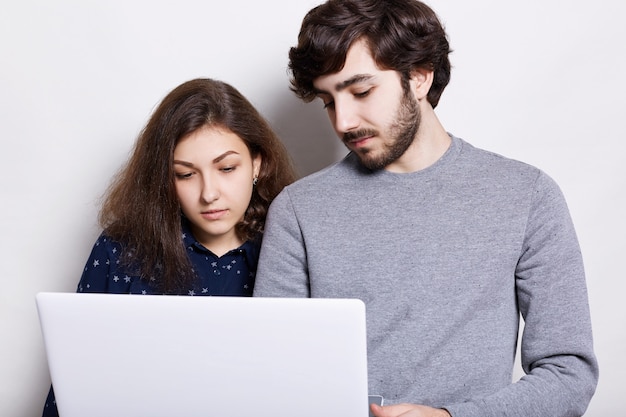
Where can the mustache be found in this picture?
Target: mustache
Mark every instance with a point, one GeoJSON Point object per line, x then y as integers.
{"type": "Point", "coordinates": [356, 134]}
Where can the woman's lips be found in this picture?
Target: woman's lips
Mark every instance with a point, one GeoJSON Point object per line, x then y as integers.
{"type": "Point", "coordinates": [214, 214]}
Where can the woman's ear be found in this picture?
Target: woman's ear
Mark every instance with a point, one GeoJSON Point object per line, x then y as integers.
{"type": "Point", "coordinates": [421, 80]}
{"type": "Point", "coordinates": [256, 165]}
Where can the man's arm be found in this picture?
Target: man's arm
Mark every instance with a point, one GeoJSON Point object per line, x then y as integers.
{"type": "Point", "coordinates": [557, 347]}
{"type": "Point", "coordinates": [282, 269]}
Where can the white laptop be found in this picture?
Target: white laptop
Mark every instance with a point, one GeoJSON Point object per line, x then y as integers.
{"type": "Point", "coordinates": [152, 356]}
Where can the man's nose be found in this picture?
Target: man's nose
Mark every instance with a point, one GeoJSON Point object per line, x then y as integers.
{"type": "Point", "coordinates": [346, 117]}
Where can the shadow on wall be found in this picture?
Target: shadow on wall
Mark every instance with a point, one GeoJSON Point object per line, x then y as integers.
{"type": "Point", "coordinates": [306, 132]}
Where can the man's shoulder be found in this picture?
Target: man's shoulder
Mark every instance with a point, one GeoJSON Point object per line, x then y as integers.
{"type": "Point", "coordinates": [330, 176]}
{"type": "Point", "coordinates": [501, 172]}
{"type": "Point", "coordinates": [493, 163]}
{"type": "Point", "coordinates": [479, 154]}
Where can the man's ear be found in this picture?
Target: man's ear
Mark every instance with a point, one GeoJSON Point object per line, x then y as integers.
{"type": "Point", "coordinates": [421, 80]}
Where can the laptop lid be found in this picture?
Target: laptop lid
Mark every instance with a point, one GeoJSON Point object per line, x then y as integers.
{"type": "Point", "coordinates": [149, 355]}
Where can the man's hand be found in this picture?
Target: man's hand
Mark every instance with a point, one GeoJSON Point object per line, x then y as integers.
{"type": "Point", "coordinates": [408, 410]}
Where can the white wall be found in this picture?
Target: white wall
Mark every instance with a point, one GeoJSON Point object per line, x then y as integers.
{"type": "Point", "coordinates": [540, 81]}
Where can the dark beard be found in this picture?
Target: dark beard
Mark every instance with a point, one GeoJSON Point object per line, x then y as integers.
{"type": "Point", "coordinates": [403, 131]}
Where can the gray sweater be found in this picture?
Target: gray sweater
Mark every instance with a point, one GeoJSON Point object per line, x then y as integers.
{"type": "Point", "coordinates": [445, 260]}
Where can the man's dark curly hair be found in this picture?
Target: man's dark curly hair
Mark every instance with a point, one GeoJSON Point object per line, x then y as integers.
{"type": "Point", "coordinates": [403, 35]}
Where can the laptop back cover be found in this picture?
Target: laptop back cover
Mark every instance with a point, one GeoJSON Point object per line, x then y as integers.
{"type": "Point", "coordinates": [132, 355]}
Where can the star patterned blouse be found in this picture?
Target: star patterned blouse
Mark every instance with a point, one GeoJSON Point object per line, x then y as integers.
{"type": "Point", "coordinates": [232, 274]}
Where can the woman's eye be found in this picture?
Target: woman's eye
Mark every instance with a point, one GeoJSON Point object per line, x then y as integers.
{"type": "Point", "coordinates": [228, 169]}
{"type": "Point", "coordinates": [183, 175]}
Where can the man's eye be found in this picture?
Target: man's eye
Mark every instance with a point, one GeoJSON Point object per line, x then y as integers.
{"type": "Point", "coordinates": [329, 104]}
{"type": "Point", "coordinates": [363, 94]}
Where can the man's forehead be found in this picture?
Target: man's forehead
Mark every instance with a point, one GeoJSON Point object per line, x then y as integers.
{"type": "Point", "coordinates": [359, 67]}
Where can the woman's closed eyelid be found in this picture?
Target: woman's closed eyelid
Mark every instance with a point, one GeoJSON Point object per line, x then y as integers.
{"type": "Point", "coordinates": [183, 175]}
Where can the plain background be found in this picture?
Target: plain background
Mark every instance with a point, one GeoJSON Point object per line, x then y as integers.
{"type": "Point", "coordinates": [540, 81]}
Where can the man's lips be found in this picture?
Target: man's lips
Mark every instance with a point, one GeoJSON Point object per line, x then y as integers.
{"type": "Point", "coordinates": [359, 142]}
{"type": "Point", "coordinates": [357, 139]}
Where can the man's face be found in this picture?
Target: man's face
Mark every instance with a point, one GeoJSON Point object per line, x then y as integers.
{"type": "Point", "coordinates": [368, 108]}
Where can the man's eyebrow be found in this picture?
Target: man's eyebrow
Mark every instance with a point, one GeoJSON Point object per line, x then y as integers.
{"type": "Point", "coordinates": [355, 79]}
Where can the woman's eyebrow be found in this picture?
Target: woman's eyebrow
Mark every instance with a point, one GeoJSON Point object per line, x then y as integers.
{"type": "Point", "coordinates": [215, 160]}
{"type": "Point", "coordinates": [224, 155]}
{"type": "Point", "coordinates": [185, 163]}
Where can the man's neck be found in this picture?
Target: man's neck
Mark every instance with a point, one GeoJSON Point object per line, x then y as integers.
{"type": "Point", "coordinates": [431, 142]}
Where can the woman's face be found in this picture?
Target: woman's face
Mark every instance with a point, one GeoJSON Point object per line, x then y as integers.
{"type": "Point", "coordinates": [214, 172]}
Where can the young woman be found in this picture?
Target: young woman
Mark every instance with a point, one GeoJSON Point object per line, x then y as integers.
{"type": "Point", "coordinates": [186, 214]}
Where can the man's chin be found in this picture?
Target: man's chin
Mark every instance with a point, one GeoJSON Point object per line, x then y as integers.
{"type": "Point", "coordinates": [369, 161]}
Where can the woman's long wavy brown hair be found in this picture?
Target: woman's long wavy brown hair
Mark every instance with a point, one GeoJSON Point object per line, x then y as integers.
{"type": "Point", "coordinates": [141, 209]}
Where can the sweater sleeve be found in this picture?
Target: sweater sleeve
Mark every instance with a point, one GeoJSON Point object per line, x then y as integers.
{"type": "Point", "coordinates": [556, 347]}
{"type": "Point", "coordinates": [282, 269]}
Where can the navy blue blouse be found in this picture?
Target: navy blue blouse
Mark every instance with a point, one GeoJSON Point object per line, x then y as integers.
{"type": "Point", "coordinates": [231, 274]}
